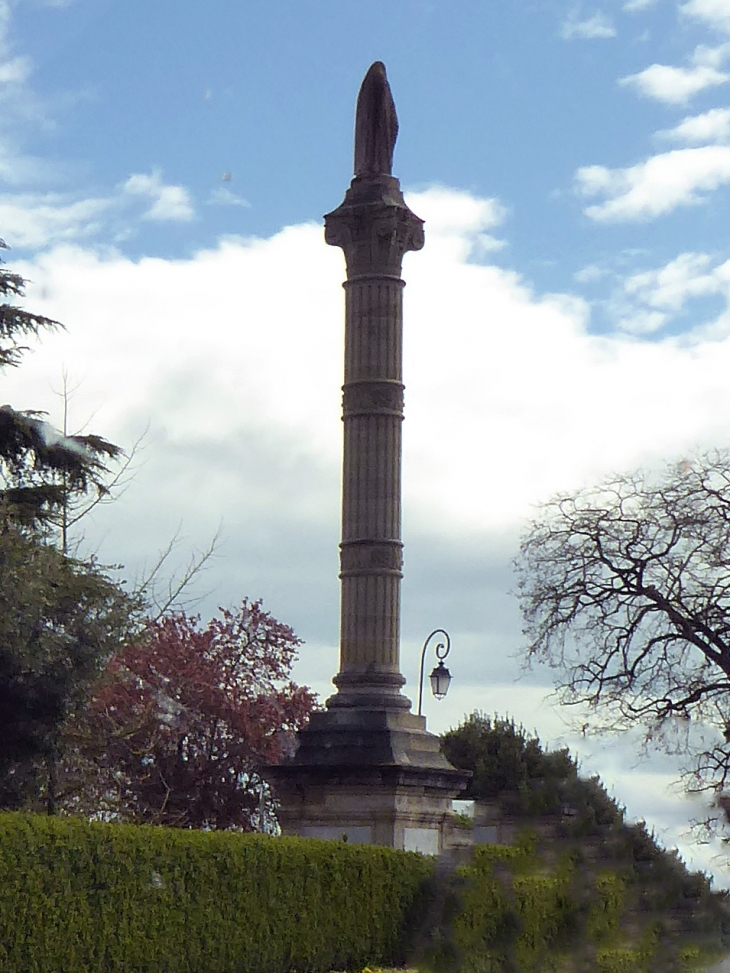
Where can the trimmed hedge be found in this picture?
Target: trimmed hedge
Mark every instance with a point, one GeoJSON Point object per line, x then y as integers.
{"type": "Point", "coordinates": [515, 913]}
{"type": "Point", "coordinates": [105, 898]}
{"type": "Point", "coordinates": [514, 910]}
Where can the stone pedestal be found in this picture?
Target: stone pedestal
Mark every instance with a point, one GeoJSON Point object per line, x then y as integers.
{"type": "Point", "coordinates": [369, 777]}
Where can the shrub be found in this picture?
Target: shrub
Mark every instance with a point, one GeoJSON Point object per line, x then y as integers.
{"type": "Point", "coordinates": [83, 898]}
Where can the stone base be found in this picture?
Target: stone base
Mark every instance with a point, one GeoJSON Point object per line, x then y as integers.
{"type": "Point", "coordinates": [369, 777]}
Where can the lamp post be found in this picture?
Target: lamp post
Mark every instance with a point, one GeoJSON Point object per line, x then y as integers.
{"type": "Point", "coordinates": [440, 677]}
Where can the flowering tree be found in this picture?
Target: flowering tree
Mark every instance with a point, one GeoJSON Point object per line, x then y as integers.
{"type": "Point", "coordinates": [186, 718]}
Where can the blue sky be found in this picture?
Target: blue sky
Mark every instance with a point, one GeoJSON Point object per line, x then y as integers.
{"type": "Point", "coordinates": [539, 104]}
{"type": "Point", "coordinates": [164, 168]}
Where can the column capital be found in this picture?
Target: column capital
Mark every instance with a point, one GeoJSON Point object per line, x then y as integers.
{"type": "Point", "coordinates": [374, 227]}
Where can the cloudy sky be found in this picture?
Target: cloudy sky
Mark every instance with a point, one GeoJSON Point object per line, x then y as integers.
{"type": "Point", "coordinates": [164, 168]}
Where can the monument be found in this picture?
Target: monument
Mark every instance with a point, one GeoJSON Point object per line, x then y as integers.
{"type": "Point", "coordinates": [366, 769]}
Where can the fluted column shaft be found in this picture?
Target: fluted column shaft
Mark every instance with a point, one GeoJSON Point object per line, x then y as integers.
{"type": "Point", "coordinates": [375, 229]}
{"type": "Point", "coordinates": [371, 549]}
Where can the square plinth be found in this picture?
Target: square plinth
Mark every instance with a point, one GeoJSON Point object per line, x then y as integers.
{"type": "Point", "coordinates": [369, 777]}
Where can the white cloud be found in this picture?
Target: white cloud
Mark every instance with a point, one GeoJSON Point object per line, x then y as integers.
{"type": "Point", "coordinates": [268, 361]}
{"type": "Point", "coordinates": [675, 86]}
{"type": "Point", "coordinates": [713, 57]}
{"type": "Point", "coordinates": [634, 6]}
{"type": "Point", "coordinates": [18, 169]}
{"type": "Point", "coordinates": [647, 301]}
{"type": "Point", "coordinates": [640, 321]}
{"type": "Point", "coordinates": [590, 274]}
{"type": "Point", "coordinates": [710, 126]}
{"type": "Point", "coordinates": [682, 177]}
{"type": "Point", "coordinates": [5, 18]}
{"type": "Point", "coordinates": [672, 285]}
{"type": "Point", "coordinates": [458, 221]}
{"type": "Point", "coordinates": [21, 111]}
{"type": "Point", "coordinates": [169, 202]}
{"type": "Point", "coordinates": [40, 219]}
{"type": "Point", "coordinates": [15, 71]}
{"type": "Point", "coordinates": [592, 28]}
{"type": "Point", "coordinates": [715, 13]}
{"type": "Point", "coordinates": [223, 196]}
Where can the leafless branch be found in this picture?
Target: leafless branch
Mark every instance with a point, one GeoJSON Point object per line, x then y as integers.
{"type": "Point", "coordinates": [625, 594]}
{"type": "Point", "coordinates": [170, 598]}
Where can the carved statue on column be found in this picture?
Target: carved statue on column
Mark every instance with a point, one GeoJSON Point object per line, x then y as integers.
{"type": "Point", "coordinates": [376, 125]}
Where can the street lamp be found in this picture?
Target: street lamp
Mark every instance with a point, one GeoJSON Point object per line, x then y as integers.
{"type": "Point", "coordinates": [440, 677]}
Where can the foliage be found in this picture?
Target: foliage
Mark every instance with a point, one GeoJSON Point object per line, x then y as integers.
{"type": "Point", "coordinates": [625, 592]}
{"type": "Point", "coordinates": [514, 913]}
{"type": "Point", "coordinates": [509, 766]}
{"type": "Point", "coordinates": [500, 754]}
{"type": "Point", "coordinates": [39, 467]}
{"type": "Point", "coordinates": [77, 896]}
{"type": "Point", "coordinates": [61, 619]}
{"type": "Point", "coordinates": [602, 922]}
{"type": "Point", "coordinates": [186, 717]}
{"type": "Point", "coordinates": [519, 909]}
{"type": "Point", "coordinates": [585, 889]}
{"type": "Point", "coordinates": [80, 897]}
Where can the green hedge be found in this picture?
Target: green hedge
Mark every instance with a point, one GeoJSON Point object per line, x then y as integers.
{"type": "Point", "coordinates": [512, 910]}
{"type": "Point", "coordinates": [514, 913]}
{"type": "Point", "coordinates": [104, 898]}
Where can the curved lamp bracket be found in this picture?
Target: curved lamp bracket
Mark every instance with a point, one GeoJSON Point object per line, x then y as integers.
{"type": "Point", "coordinates": [440, 677]}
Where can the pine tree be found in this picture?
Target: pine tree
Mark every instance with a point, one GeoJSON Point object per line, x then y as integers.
{"type": "Point", "coordinates": [61, 617]}
{"type": "Point", "coordinates": [39, 466]}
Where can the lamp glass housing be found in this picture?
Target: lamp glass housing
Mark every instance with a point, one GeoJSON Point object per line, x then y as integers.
{"type": "Point", "coordinates": [440, 680]}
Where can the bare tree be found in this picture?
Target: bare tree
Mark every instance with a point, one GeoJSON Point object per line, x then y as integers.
{"type": "Point", "coordinates": [625, 593]}
{"type": "Point", "coordinates": [73, 506]}
{"type": "Point", "coordinates": [161, 591]}
{"type": "Point", "coordinates": [166, 593]}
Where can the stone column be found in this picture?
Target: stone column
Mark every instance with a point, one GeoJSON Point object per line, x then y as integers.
{"type": "Point", "coordinates": [375, 228]}
{"type": "Point", "coordinates": [366, 767]}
